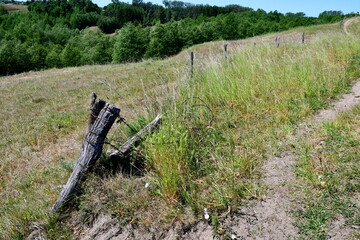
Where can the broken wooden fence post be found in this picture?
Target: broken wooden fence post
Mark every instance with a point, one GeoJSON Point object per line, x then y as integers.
{"type": "Point", "coordinates": [126, 147]}
{"type": "Point", "coordinates": [191, 64]}
{"type": "Point", "coordinates": [102, 117]}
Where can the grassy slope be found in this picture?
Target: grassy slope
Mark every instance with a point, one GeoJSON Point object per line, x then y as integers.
{"type": "Point", "coordinates": [255, 97]}
{"type": "Point", "coordinates": [15, 8]}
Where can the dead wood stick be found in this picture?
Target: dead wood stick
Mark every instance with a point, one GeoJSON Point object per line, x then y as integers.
{"type": "Point", "coordinates": [125, 148]}
{"type": "Point", "coordinates": [102, 117]}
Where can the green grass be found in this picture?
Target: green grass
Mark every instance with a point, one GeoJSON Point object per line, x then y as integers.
{"type": "Point", "coordinates": [216, 134]}
{"type": "Point", "coordinates": [328, 173]}
{"type": "Point", "coordinates": [43, 119]}
{"type": "Point", "coordinates": [216, 130]}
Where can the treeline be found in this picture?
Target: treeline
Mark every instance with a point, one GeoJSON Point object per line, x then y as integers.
{"type": "Point", "coordinates": [56, 35]}
{"type": "Point", "coordinates": [83, 13]}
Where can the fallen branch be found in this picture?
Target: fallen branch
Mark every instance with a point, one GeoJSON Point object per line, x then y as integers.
{"type": "Point", "coordinates": [102, 117]}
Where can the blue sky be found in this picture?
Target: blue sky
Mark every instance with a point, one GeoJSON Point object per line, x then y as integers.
{"type": "Point", "coordinates": [309, 7]}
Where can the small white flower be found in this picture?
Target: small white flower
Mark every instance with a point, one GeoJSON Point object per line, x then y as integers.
{"type": "Point", "coordinates": [320, 176]}
{"type": "Point", "coordinates": [322, 183]}
{"type": "Point", "coordinates": [233, 236]}
{"type": "Point", "coordinates": [147, 185]}
{"type": "Point", "coordinates": [206, 214]}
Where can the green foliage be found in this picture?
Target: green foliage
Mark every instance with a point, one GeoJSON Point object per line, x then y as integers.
{"type": "Point", "coordinates": [96, 47]}
{"type": "Point", "coordinates": [83, 20]}
{"type": "Point", "coordinates": [107, 24]}
{"type": "Point", "coordinates": [53, 57]}
{"type": "Point", "coordinates": [71, 55]}
{"type": "Point", "coordinates": [14, 57]}
{"type": "Point", "coordinates": [3, 10]}
{"type": "Point", "coordinates": [53, 22]}
{"type": "Point", "coordinates": [130, 43]}
{"type": "Point", "coordinates": [164, 40]}
{"type": "Point", "coordinates": [38, 54]}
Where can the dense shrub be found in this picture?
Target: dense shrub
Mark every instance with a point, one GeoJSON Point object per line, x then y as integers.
{"type": "Point", "coordinates": [14, 57]}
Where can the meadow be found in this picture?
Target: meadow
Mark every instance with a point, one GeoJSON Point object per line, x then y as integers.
{"type": "Point", "coordinates": [217, 129]}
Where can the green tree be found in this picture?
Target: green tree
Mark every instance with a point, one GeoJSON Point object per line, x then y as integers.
{"type": "Point", "coordinates": [130, 43]}
{"type": "Point", "coordinates": [71, 55]}
{"type": "Point", "coordinates": [53, 58]}
{"type": "Point", "coordinates": [108, 24]}
{"type": "Point", "coordinates": [95, 47]}
{"type": "Point", "coordinates": [231, 27]}
{"type": "Point", "coordinates": [164, 41]}
{"type": "Point", "coordinates": [14, 57]}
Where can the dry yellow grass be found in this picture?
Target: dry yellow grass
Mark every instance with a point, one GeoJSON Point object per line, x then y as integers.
{"type": "Point", "coordinates": [15, 7]}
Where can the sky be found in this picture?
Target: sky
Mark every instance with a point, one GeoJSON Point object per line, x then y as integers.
{"type": "Point", "coordinates": [311, 8]}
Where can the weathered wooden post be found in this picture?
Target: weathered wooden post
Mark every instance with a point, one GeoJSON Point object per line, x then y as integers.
{"type": "Point", "coordinates": [341, 25]}
{"type": "Point", "coordinates": [102, 117]}
{"type": "Point", "coordinates": [303, 37]}
{"type": "Point", "coordinates": [226, 50]}
{"type": "Point", "coordinates": [191, 64]}
{"type": "Point", "coordinates": [278, 42]}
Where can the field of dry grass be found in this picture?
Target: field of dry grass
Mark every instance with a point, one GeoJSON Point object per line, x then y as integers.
{"type": "Point", "coordinates": [44, 118]}
{"type": "Point", "coordinates": [15, 7]}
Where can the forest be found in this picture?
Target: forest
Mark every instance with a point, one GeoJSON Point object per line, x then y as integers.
{"type": "Point", "coordinates": [64, 33]}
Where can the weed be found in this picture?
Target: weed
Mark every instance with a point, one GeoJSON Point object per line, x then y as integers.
{"type": "Point", "coordinates": [329, 176]}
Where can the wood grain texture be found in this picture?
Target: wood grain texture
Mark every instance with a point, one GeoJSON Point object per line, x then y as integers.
{"type": "Point", "coordinates": [100, 123]}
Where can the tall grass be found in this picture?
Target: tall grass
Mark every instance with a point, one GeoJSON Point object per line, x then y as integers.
{"type": "Point", "coordinates": [216, 134]}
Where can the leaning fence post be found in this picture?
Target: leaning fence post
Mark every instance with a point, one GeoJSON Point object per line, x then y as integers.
{"type": "Point", "coordinates": [191, 64]}
{"type": "Point", "coordinates": [102, 117]}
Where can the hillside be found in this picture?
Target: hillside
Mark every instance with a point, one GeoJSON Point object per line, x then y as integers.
{"type": "Point", "coordinates": [60, 34]}
{"type": "Point", "coordinates": [219, 129]}
{"type": "Point", "coordinates": [14, 7]}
